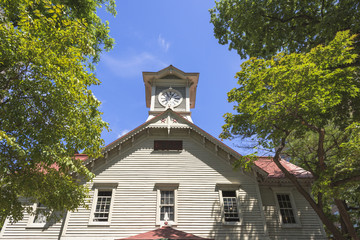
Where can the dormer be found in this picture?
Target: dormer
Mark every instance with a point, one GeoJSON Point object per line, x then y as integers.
{"type": "Point", "coordinates": [170, 88]}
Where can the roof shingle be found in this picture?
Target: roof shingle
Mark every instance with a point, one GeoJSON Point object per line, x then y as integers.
{"type": "Point", "coordinates": [268, 165]}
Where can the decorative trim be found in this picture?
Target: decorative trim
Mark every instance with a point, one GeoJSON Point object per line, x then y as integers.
{"type": "Point", "coordinates": [261, 208]}
{"type": "Point", "coordinates": [103, 184]}
{"type": "Point", "coordinates": [227, 186]}
{"type": "Point", "coordinates": [166, 186]}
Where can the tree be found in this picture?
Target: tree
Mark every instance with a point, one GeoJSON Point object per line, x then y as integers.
{"type": "Point", "coordinates": [342, 169]}
{"type": "Point", "coordinates": [262, 28]}
{"type": "Point", "coordinates": [47, 111]}
{"type": "Point", "coordinates": [311, 100]}
{"type": "Point", "coordinates": [97, 31]}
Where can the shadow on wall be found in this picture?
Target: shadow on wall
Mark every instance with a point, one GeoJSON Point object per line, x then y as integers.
{"type": "Point", "coordinates": [251, 226]}
{"type": "Point", "coordinates": [54, 218]}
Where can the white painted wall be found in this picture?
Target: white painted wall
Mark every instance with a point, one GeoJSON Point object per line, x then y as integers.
{"type": "Point", "coordinates": [21, 230]}
{"type": "Point", "coordinates": [310, 225]}
{"type": "Point", "coordinates": [197, 169]}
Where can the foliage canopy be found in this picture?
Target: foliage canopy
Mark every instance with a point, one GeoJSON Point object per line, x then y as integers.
{"type": "Point", "coordinates": [304, 99]}
{"type": "Point", "coordinates": [262, 28]}
{"type": "Point", "coordinates": [47, 111]}
{"type": "Point", "coordinates": [306, 106]}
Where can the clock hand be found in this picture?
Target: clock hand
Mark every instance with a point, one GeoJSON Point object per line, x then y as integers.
{"type": "Point", "coordinates": [168, 97]}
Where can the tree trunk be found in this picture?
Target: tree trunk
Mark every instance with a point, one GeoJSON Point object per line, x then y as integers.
{"type": "Point", "coordinates": [319, 211]}
{"type": "Point", "coordinates": [343, 226]}
{"type": "Point", "coordinates": [344, 215]}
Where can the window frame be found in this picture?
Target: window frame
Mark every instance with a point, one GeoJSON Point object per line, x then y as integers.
{"type": "Point", "coordinates": [32, 217]}
{"type": "Point", "coordinates": [229, 187]}
{"type": "Point", "coordinates": [286, 191]}
{"type": "Point", "coordinates": [102, 187]}
{"type": "Point", "coordinates": [159, 187]}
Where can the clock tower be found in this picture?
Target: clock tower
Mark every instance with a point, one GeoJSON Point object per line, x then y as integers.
{"type": "Point", "coordinates": [170, 88]}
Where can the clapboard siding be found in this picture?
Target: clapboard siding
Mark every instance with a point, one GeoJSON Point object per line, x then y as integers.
{"type": "Point", "coordinates": [196, 169]}
{"type": "Point", "coordinates": [310, 226]}
{"type": "Point", "coordinates": [20, 230]}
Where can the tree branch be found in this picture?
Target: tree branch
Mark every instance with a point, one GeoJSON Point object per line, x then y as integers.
{"type": "Point", "coordinates": [304, 122]}
{"type": "Point", "coordinates": [322, 9]}
{"type": "Point", "coordinates": [346, 180]}
{"type": "Point", "coordinates": [356, 63]}
{"type": "Point", "coordinates": [321, 152]}
{"type": "Point", "coordinates": [304, 16]}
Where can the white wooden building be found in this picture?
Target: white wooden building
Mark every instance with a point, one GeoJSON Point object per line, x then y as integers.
{"type": "Point", "coordinates": [169, 172]}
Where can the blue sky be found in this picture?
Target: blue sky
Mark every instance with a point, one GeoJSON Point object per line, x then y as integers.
{"type": "Point", "coordinates": [151, 35]}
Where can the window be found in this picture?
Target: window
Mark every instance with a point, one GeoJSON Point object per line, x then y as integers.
{"type": "Point", "coordinates": [103, 203]}
{"type": "Point", "coordinates": [286, 209]}
{"type": "Point", "coordinates": [40, 214]}
{"type": "Point", "coordinates": [231, 213]}
{"type": "Point", "coordinates": [104, 193]}
{"type": "Point", "coordinates": [176, 145]}
{"type": "Point", "coordinates": [166, 203]}
{"type": "Point", "coordinates": [38, 220]}
{"type": "Point", "coordinates": [229, 203]}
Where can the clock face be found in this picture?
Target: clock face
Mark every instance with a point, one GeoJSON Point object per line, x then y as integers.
{"type": "Point", "coordinates": [170, 98]}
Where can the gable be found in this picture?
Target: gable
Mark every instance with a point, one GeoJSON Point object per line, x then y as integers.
{"type": "Point", "coordinates": [139, 157]}
{"type": "Point", "coordinates": [140, 162]}
{"type": "Point", "coordinates": [169, 124]}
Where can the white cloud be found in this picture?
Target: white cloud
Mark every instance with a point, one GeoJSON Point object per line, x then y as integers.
{"type": "Point", "coordinates": [123, 132]}
{"type": "Point", "coordinates": [163, 43]}
{"type": "Point", "coordinates": [133, 65]}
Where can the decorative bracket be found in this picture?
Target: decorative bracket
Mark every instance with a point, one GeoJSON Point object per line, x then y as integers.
{"type": "Point", "coordinates": [168, 124]}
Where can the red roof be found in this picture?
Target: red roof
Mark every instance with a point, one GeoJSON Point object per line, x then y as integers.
{"type": "Point", "coordinates": [81, 156]}
{"type": "Point", "coordinates": [165, 232]}
{"type": "Point", "coordinates": [268, 165]}
{"type": "Point", "coordinates": [55, 166]}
